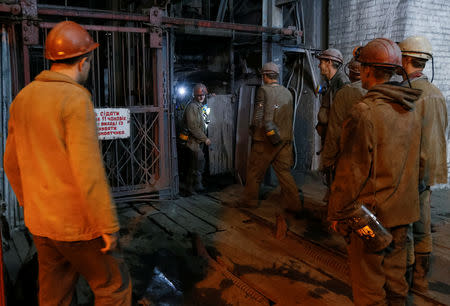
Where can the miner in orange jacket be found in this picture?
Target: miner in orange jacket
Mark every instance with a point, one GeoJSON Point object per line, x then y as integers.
{"type": "Point", "coordinates": [53, 162]}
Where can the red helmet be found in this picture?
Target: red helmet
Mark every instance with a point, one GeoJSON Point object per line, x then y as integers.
{"type": "Point", "coordinates": [200, 89]}
{"type": "Point", "coordinates": [67, 40]}
{"type": "Point", "coordinates": [381, 52]}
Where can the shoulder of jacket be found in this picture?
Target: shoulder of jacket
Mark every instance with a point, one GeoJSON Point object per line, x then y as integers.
{"type": "Point", "coordinates": [362, 108]}
{"type": "Point", "coordinates": [427, 88]}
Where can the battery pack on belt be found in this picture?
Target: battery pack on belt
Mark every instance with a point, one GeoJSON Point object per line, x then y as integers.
{"type": "Point", "coordinates": [183, 137]}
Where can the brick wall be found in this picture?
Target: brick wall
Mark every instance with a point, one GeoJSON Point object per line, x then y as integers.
{"type": "Point", "coordinates": [355, 22]}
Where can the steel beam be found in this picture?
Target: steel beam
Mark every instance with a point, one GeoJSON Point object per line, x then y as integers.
{"type": "Point", "coordinates": [165, 20]}
{"type": "Point", "coordinates": [229, 26]}
{"type": "Point", "coordinates": [49, 25]}
{"type": "Point", "coordinates": [14, 9]}
{"type": "Point", "coordinates": [97, 14]}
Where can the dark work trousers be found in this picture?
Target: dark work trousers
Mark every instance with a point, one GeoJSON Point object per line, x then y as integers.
{"type": "Point", "coordinates": [419, 236]}
{"type": "Point", "coordinates": [196, 160]}
{"type": "Point", "coordinates": [262, 155]}
{"type": "Point", "coordinates": [60, 264]}
{"type": "Point", "coordinates": [379, 278]}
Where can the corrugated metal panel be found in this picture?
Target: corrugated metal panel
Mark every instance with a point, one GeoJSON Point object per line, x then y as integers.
{"type": "Point", "coordinates": [221, 131]}
{"type": "Point", "coordinates": [243, 139]}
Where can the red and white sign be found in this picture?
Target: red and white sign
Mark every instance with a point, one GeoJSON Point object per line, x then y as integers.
{"type": "Point", "coordinates": [113, 123]}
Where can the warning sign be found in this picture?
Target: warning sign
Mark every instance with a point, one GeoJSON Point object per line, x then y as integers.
{"type": "Point", "coordinates": [113, 123]}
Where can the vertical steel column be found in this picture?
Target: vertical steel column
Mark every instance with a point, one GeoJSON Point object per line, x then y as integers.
{"type": "Point", "coordinates": [156, 43]}
{"type": "Point", "coordinates": [30, 33]}
{"type": "Point", "coordinates": [174, 175]}
{"type": "Point", "coordinates": [272, 16]}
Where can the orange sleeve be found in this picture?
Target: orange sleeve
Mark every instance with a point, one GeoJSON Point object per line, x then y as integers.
{"type": "Point", "coordinates": [86, 163]}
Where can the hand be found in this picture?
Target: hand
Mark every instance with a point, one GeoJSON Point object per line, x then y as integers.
{"type": "Point", "coordinates": [110, 242]}
{"type": "Point", "coordinates": [207, 142]}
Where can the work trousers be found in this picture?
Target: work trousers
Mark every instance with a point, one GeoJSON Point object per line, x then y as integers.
{"type": "Point", "coordinates": [196, 166]}
{"type": "Point", "coordinates": [61, 263]}
{"type": "Point", "coordinates": [419, 235]}
{"type": "Point", "coordinates": [262, 155]}
{"type": "Point", "coordinates": [379, 278]}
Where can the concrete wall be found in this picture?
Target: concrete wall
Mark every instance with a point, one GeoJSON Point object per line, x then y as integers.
{"type": "Point", "coordinates": [355, 22]}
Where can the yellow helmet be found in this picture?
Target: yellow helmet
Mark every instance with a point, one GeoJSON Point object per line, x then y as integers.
{"type": "Point", "coordinates": [416, 46]}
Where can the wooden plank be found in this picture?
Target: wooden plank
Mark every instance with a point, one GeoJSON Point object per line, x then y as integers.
{"type": "Point", "coordinates": [189, 205]}
{"type": "Point", "coordinates": [221, 131]}
{"type": "Point", "coordinates": [185, 219]}
{"type": "Point", "coordinates": [168, 225]}
{"type": "Point", "coordinates": [274, 268]}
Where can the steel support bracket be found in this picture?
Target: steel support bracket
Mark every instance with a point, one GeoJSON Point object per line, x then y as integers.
{"type": "Point", "coordinates": [30, 26]}
{"type": "Point", "coordinates": [155, 28]}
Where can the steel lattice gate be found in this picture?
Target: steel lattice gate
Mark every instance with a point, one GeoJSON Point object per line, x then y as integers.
{"type": "Point", "coordinates": [130, 70]}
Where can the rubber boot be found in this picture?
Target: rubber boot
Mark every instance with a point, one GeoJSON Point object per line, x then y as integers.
{"type": "Point", "coordinates": [421, 269]}
{"type": "Point", "coordinates": [190, 184]}
{"type": "Point", "coordinates": [198, 185]}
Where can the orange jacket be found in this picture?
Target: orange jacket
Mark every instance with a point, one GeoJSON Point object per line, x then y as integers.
{"type": "Point", "coordinates": [53, 161]}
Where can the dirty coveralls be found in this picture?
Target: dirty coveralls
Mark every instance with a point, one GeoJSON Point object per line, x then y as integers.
{"type": "Point", "coordinates": [194, 121]}
{"type": "Point", "coordinates": [379, 166]}
{"type": "Point", "coordinates": [337, 82]}
{"type": "Point", "coordinates": [433, 168]}
{"type": "Point", "coordinates": [53, 162]}
{"type": "Point", "coordinates": [273, 103]}
{"type": "Point", "coordinates": [343, 103]}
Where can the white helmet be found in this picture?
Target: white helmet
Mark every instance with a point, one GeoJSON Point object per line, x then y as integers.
{"type": "Point", "coordinates": [416, 46]}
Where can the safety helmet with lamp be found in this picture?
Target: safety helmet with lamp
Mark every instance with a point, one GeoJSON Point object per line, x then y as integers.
{"type": "Point", "coordinates": [67, 40]}
{"type": "Point", "coordinates": [416, 46]}
{"type": "Point", "coordinates": [382, 53]}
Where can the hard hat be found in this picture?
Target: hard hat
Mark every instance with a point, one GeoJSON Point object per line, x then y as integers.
{"type": "Point", "coordinates": [331, 54]}
{"type": "Point", "coordinates": [270, 67]}
{"type": "Point", "coordinates": [381, 52]}
{"type": "Point", "coordinates": [416, 46]}
{"type": "Point", "coordinates": [67, 40]}
{"type": "Point", "coordinates": [200, 89]}
{"type": "Point", "coordinates": [354, 66]}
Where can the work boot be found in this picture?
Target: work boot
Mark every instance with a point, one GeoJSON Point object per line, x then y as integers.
{"type": "Point", "coordinates": [197, 180]}
{"type": "Point", "coordinates": [190, 185]}
{"type": "Point", "coordinates": [421, 269]}
{"type": "Point", "coordinates": [199, 187]}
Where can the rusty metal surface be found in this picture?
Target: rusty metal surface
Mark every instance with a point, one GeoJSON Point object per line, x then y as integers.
{"type": "Point", "coordinates": [14, 9]}
{"type": "Point", "coordinates": [30, 30]}
{"type": "Point", "coordinates": [89, 27]}
{"type": "Point", "coordinates": [158, 19]}
{"type": "Point", "coordinates": [97, 14]}
{"type": "Point", "coordinates": [229, 26]}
